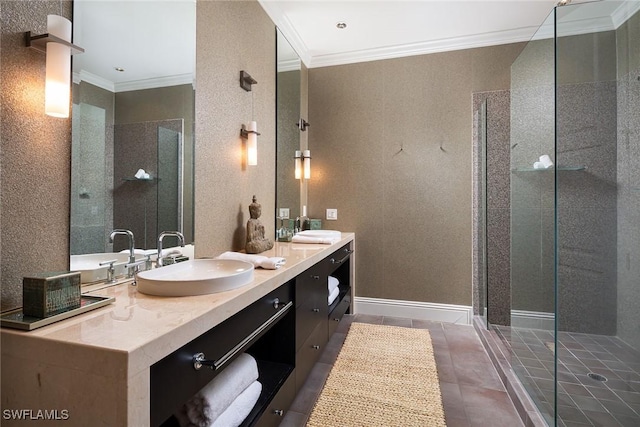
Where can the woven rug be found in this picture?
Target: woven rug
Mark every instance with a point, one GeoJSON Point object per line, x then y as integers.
{"type": "Point", "coordinates": [384, 376]}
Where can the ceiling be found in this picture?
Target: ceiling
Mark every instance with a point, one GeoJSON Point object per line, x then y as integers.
{"type": "Point", "coordinates": [154, 40]}
{"type": "Point", "coordinates": [394, 28]}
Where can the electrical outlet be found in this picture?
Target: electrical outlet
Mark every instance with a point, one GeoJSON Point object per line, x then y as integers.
{"type": "Point", "coordinates": [332, 214]}
{"type": "Point", "coordinates": [284, 213]}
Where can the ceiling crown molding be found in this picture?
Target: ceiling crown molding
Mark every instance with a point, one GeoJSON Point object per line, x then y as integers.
{"type": "Point", "coordinates": [423, 48]}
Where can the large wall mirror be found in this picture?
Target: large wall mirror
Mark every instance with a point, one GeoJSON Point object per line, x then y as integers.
{"type": "Point", "coordinates": [288, 83]}
{"type": "Point", "coordinates": [132, 124]}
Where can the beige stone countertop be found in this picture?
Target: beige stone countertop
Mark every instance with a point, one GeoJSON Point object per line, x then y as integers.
{"type": "Point", "coordinates": [147, 328]}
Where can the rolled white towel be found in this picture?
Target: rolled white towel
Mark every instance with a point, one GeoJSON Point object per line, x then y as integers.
{"type": "Point", "coordinates": [240, 408]}
{"type": "Point", "coordinates": [215, 397]}
{"type": "Point", "coordinates": [333, 283]}
{"type": "Point", "coordinates": [268, 263]}
{"type": "Point", "coordinates": [313, 239]}
{"type": "Point", "coordinates": [333, 295]}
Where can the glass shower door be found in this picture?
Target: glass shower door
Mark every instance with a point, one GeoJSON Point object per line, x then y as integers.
{"type": "Point", "coordinates": [598, 153]}
{"type": "Point", "coordinates": [533, 229]}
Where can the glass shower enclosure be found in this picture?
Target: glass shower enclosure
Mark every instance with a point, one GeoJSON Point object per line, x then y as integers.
{"type": "Point", "coordinates": [574, 333]}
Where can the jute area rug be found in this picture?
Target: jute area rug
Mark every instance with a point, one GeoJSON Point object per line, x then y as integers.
{"type": "Point", "coordinates": [384, 376]}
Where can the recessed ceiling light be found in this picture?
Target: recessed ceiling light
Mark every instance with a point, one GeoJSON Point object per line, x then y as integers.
{"type": "Point", "coordinates": [341, 25]}
{"type": "Point", "coordinates": [119, 69]}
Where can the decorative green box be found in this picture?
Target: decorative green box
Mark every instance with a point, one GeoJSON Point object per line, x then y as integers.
{"type": "Point", "coordinates": [47, 294]}
{"type": "Point", "coordinates": [316, 224]}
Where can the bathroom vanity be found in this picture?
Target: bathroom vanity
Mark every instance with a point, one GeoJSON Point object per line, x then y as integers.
{"type": "Point", "coordinates": [134, 362]}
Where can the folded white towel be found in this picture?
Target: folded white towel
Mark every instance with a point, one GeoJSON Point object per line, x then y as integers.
{"type": "Point", "coordinates": [215, 397]}
{"type": "Point", "coordinates": [170, 251]}
{"type": "Point", "coordinates": [143, 252]}
{"type": "Point", "coordinates": [321, 233]}
{"type": "Point", "coordinates": [268, 263]}
{"type": "Point", "coordinates": [333, 295]}
{"type": "Point", "coordinates": [240, 408]}
{"type": "Point", "coordinates": [311, 239]}
{"type": "Point", "coordinates": [333, 283]}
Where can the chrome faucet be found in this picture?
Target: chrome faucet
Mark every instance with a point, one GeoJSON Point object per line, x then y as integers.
{"type": "Point", "coordinates": [161, 237]}
{"type": "Point", "coordinates": [132, 245]}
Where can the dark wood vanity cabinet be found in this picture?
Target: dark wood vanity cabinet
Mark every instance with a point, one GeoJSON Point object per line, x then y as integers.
{"type": "Point", "coordinates": [263, 329]}
{"type": "Point", "coordinates": [340, 267]}
{"type": "Point", "coordinates": [315, 319]}
{"type": "Point", "coordinates": [285, 331]}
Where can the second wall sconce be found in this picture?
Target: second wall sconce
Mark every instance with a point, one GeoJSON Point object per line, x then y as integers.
{"type": "Point", "coordinates": [58, 48]}
{"type": "Point", "coordinates": [302, 161]}
{"type": "Point", "coordinates": [250, 133]}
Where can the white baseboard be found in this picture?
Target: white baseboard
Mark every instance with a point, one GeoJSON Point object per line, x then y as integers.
{"type": "Point", "coordinates": [460, 314]}
{"type": "Point", "coordinates": [532, 320]}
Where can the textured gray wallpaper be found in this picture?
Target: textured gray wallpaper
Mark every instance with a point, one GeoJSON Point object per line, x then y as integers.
{"type": "Point", "coordinates": [392, 151]}
{"type": "Point", "coordinates": [233, 36]}
{"type": "Point", "coordinates": [36, 148]}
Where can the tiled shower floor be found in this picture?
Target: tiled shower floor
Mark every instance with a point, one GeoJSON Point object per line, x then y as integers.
{"type": "Point", "coordinates": [582, 399]}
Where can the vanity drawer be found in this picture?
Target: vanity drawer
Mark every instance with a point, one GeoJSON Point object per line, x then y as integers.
{"type": "Point", "coordinates": [174, 379]}
{"type": "Point", "coordinates": [308, 316]}
{"type": "Point", "coordinates": [310, 352]}
{"type": "Point", "coordinates": [311, 284]}
{"type": "Point", "coordinates": [336, 315]}
{"type": "Point", "coordinates": [277, 409]}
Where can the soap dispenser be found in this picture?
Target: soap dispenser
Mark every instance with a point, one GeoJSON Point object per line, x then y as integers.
{"type": "Point", "coordinates": [305, 223]}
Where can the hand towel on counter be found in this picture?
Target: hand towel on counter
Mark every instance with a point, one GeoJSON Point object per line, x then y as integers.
{"type": "Point", "coordinates": [268, 263]}
{"type": "Point", "coordinates": [333, 283]}
{"type": "Point", "coordinates": [333, 295]}
{"type": "Point", "coordinates": [325, 237]}
{"type": "Point", "coordinates": [240, 408]}
{"type": "Point", "coordinates": [215, 397]}
{"type": "Point", "coordinates": [313, 239]}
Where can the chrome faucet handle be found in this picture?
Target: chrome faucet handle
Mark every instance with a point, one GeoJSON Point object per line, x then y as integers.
{"type": "Point", "coordinates": [133, 267]}
{"type": "Point", "coordinates": [111, 270]}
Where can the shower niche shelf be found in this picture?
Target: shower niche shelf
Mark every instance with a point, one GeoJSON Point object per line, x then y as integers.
{"type": "Point", "coordinates": [559, 168]}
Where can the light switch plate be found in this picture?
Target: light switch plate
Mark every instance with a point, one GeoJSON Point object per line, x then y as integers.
{"type": "Point", "coordinates": [284, 213]}
{"type": "Point", "coordinates": [332, 214]}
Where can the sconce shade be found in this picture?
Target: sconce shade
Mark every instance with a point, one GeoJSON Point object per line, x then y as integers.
{"type": "Point", "coordinates": [302, 164]}
{"type": "Point", "coordinates": [307, 164]}
{"type": "Point", "coordinates": [297, 158]}
{"type": "Point", "coordinates": [252, 144]}
{"type": "Point", "coordinates": [58, 72]}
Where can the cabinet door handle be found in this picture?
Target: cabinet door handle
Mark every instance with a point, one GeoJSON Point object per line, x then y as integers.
{"type": "Point", "coordinates": [340, 261]}
{"type": "Point", "coordinates": [276, 303]}
{"type": "Point", "coordinates": [315, 277]}
{"type": "Point", "coordinates": [316, 310]}
{"type": "Point", "coordinates": [278, 412]}
{"type": "Point", "coordinates": [315, 347]}
{"type": "Point", "coordinates": [337, 319]}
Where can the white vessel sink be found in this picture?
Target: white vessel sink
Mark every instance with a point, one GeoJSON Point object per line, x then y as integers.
{"type": "Point", "coordinates": [90, 269]}
{"type": "Point", "coordinates": [195, 277]}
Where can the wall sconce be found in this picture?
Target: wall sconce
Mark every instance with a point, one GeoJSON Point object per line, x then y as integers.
{"type": "Point", "coordinates": [56, 44]}
{"type": "Point", "coordinates": [302, 124]}
{"type": "Point", "coordinates": [302, 161]}
{"type": "Point", "coordinates": [251, 135]}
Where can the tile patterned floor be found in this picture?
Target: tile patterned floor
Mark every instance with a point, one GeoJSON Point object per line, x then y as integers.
{"type": "Point", "coordinates": [582, 400]}
{"type": "Point", "coordinates": [472, 393]}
